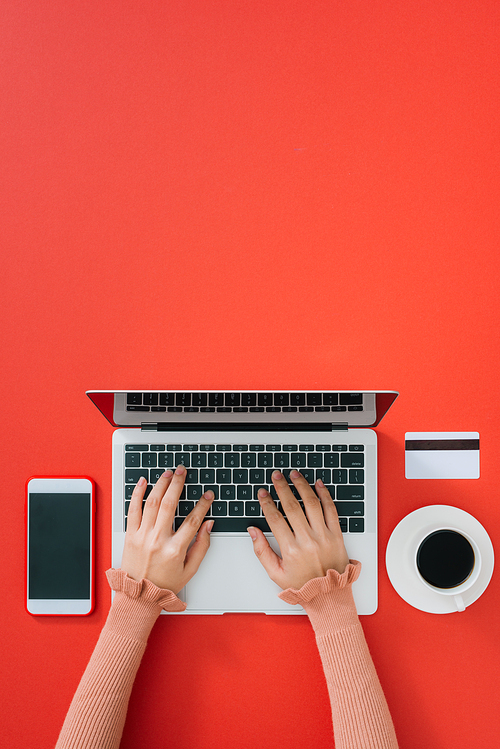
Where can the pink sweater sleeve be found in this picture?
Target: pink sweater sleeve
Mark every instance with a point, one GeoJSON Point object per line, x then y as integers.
{"type": "Point", "coordinates": [361, 718]}
{"type": "Point", "coordinates": [97, 713]}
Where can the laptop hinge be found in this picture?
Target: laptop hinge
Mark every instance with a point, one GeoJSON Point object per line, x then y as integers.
{"type": "Point", "coordinates": [239, 427]}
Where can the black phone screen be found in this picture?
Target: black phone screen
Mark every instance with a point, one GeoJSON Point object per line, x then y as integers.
{"type": "Point", "coordinates": [59, 546]}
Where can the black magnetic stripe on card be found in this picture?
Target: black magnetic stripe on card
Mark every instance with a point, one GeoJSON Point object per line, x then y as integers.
{"type": "Point", "coordinates": [441, 444]}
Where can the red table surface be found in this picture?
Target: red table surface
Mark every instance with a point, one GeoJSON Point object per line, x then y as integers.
{"type": "Point", "coordinates": [250, 195]}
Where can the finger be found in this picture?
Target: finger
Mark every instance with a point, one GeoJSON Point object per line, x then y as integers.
{"type": "Point", "coordinates": [134, 515]}
{"type": "Point", "coordinates": [266, 556]}
{"type": "Point", "coordinates": [198, 550]}
{"type": "Point", "coordinates": [154, 500]}
{"type": "Point", "coordinates": [275, 520]}
{"type": "Point", "coordinates": [329, 509]}
{"type": "Point", "coordinates": [290, 504]}
{"type": "Point", "coordinates": [172, 494]}
{"type": "Point", "coordinates": [310, 499]}
{"type": "Point", "coordinates": [191, 524]}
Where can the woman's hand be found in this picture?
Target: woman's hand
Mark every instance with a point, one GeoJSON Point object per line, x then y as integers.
{"type": "Point", "coordinates": [312, 546]}
{"type": "Point", "coordinates": [153, 550]}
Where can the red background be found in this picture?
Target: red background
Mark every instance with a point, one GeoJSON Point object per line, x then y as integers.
{"type": "Point", "coordinates": [242, 194]}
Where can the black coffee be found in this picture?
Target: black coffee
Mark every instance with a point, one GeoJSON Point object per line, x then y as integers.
{"type": "Point", "coordinates": [445, 559]}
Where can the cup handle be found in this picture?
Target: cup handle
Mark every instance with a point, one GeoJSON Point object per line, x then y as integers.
{"type": "Point", "coordinates": [459, 603]}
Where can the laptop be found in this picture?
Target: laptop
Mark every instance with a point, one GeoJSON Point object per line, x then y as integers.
{"type": "Point", "coordinates": [231, 442]}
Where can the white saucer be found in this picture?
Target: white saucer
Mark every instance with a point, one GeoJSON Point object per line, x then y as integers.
{"type": "Point", "coordinates": [402, 548]}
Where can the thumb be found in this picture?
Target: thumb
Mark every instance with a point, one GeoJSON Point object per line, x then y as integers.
{"type": "Point", "coordinates": [266, 556]}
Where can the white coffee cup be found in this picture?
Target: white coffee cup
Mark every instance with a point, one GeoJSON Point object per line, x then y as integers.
{"type": "Point", "coordinates": [459, 589]}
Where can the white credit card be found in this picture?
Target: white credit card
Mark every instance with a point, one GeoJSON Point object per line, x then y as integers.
{"type": "Point", "coordinates": [442, 455]}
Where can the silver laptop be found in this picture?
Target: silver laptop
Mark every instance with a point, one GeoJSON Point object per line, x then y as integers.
{"type": "Point", "coordinates": [231, 442]}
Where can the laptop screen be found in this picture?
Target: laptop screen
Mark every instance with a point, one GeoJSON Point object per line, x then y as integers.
{"type": "Point", "coordinates": [246, 408]}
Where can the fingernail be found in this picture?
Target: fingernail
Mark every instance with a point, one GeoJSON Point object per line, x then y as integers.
{"type": "Point", "coordinates": [166, 475]}
{"type": "Point", "coordinates": [180, 470]}
{"type": "Point", "coordinates": [141, 481]}
{"type": "Point", "coordinates": [252, 532]}
{"type": "Point", "coordinates": [210, 525]}
{"type": "Point", "coordinates": [277, 475]}
{"type": "Point", "coordinates": [263, 493]}
{"type": "Point", "coordinates": [294, 474]}
{"type": "Point", "coordinates": [209, 494]}
{"type": "Point", "coordinates": [319, 482]}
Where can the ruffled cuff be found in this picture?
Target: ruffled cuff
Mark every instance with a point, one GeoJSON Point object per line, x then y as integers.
{"type": "Point", "coordinates": [328, 600]}
{"type": "Point", "coordinates": [137, 605]}
{"type": "Point", "coordinates": [147, 591]}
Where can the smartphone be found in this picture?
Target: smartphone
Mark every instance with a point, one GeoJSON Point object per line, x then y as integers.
{"type": "Point", "coordinates": [60, 512]}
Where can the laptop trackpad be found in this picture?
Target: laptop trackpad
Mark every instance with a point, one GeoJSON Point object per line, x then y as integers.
{"type": "Point", "coordinates": [231, 578]}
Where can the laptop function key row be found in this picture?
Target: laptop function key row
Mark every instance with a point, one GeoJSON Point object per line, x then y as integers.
{"type": "Point", "coordinates": [236, 472]}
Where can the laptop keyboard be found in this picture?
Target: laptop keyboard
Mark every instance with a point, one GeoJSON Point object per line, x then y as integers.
{"type": "Point", "coordinates": [235, 473]}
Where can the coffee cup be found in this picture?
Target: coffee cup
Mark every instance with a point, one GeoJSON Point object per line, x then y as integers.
{"type": "Point", "coordinates": [447, 561]}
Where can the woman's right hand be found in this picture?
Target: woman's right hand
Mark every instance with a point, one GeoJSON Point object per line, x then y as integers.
{"type": "Point", "coordinates": [153, 550]}
{"type": "Point", "coordinates": [313, 545]}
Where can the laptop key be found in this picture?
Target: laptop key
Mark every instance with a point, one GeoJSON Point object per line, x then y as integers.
{"type": "Point", "coordinates": [257, 476]}
{"type": "Point", "coordinates": [134, 399]}
{"type": "Point", "coordinates": [356, 525]}
{"type": "Point", "coordinates": [215, 460]}
{"type": "Point", "coordinates": [332, 460]}
{"type": "Point", "coordinates": [236, 508]}
{"type": "Point", "coordinates": [132, 475]}
{"type": "Point", "coordinates": [132, 460]}
{"type": "Point", "coordinates": [198, 460]}
{"type": "Point", "coordinates": [356, 476]}
{"type": "Point", "coordinates": [315, 460]}
{"type": "Point", "coordinates": [207, 475]}
{"type": "Point", "coordinates": [266, 460]}
{"type": "Point", "coordinates": [339, 476]}
{"type": "Point", "coordinates": [240, 476]}
{"type": "Point", "coordinates": [351, 399]}
{"type": "Point", "coordinates": [185, 508]}
{"type": "Point", "coordinates": [281, 460]}
{"type": "Point", "coordinates": [325, 475]}
{"type": "Point", "coordinates": [348, 509]}
{"type": "Point", "coordinates": [219, 509]}
{"type": "Point", "coordinates": [238, 524]}
{"type": "Point", "coordinates": [350, 492]}
{"type": "Point", "coordinates": [352, 460]}
{"type": "Point", "coordinates": [165, 460]}
{"type": "Point", "coordinates": [252, 509]}
{"type": "Point", "coordinates": [297, 460]}
{"type": "Point", "coordinates": [194, 492]}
